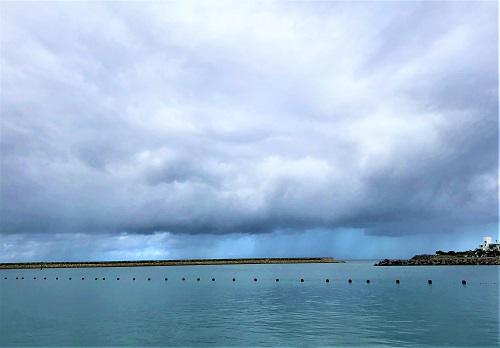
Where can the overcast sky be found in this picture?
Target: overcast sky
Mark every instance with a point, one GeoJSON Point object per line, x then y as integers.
{"type": "Point", "coordinates": [227, 129]}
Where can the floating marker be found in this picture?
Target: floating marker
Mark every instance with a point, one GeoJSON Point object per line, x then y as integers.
{"type": "Point", "coordinates": [117, 278]}
{"type": "Point", "coordinates": [83, 278]}
{"type": "Point", "coordinates": [254, 279]}
{"type": "Point", "coordinates": [234, 279]}
{"type": "Point", "coordinates": [429, 282]}
{"type": "Point", "coordinates": [103, 278]}
{"type": "Point", "coordinates": [96, 279]}
{"type": "Point", "coordinates": [277, 280]}
{"type": "Point", "coordinates": [464, 282]}
{"type": "Point", "coordinates": [350, 280]}
{"type": "Point", "coordinates": [34, 278]}
{"type": "Point", "coordinates": [213, 279]}
{"type": "Point", "coordinates": [17, 277]}
{"type": "Point", "coordinates": [397, 281]}
{"type": "Point", "coordinates": [5, 278]}
{"type": "Point", "coordinates": [149, 278]}
{"type": "Point", "coordinates": [197, 279]}
{"type": "Point", "coordinates": [183, 279]}
{"type": "Point", "coordinates": [44, 278]}
{"type": "Point", "coordinates": [167, 279]}
{"type": "Point", "coordinates": [327, 280]}
{"type": "Point", "coordinates": [133, 278]}
{"type": "Point", "coordinates": [368, 281]}
{"type": "Point", "coordinates": [301, 280]}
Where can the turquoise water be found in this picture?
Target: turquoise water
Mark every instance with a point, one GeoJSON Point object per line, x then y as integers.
{"type": "Point", "coordinates": [245, 312]}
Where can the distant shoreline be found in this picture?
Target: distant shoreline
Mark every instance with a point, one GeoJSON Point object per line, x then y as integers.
{"type": "Point", "coordinates": [147, 263]}
{"type": "Point", "coordinates": [434, 260]}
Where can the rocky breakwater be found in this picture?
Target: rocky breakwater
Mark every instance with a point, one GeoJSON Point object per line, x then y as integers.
{"type": "Point", "coordinates": [438, 260]}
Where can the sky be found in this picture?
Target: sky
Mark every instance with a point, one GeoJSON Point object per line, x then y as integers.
{"type": "Point", "coordinates": [247, 129]}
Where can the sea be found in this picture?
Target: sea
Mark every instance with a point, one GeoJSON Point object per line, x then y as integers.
{"type": "Point", "coordinates": [265, 305]}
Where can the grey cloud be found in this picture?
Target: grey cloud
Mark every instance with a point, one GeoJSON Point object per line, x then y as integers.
{"type": "Point", "coordinates": [193, 119]}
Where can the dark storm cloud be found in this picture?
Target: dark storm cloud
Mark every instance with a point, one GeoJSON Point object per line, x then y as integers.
{"type": "Point", "coordinates": [249, 118]}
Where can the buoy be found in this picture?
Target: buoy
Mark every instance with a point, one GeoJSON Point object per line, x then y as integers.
{"type": "Point", "coordinates": [149, 278]}
{"type": "Point", "coordinates": [397, 281]}
{"type": "Point", "coordinates": [103, 278]}
{"type": "Point", "coordinates": [17, 277]}
{"type": "Point", "coordinates": [327, 280]}
{"type": "Point", "coordinates": [117, 278]}
{"type": "Point", "coordinates": [197, 279]}
{"type": "Point", "coordinates": [254, 279]}
{"type": "Point", "coordinates": [213, 279]}
{"type": "Point", "coordinates": [429, 282]}
{"type": "Point", "coordinates": [34, 278]}
{"type": "Point", "coordinates": [69, 278]}
{"type": "Point", "coordinates": [350, 280]}
{"type": "Point", "coordinates": [133, 278]}
{"type": "Point", "coordinates": [183, 279]}
{"type": "Point", "coordinates": [83, 278]}
{"type": "Point", "coordinates": [301, 280]}
{"type": "Point", "coordinates": [234, 279]}
{"type": "Point", "coordinates": [96, 279]}
{"type": "Point", "coordinates": [57, 278]}
{"type": "Point", "coordinates": [166, 279]}
{"type": "Point", "coordinates": [277, 280]}
{"type": "Point", "coordinates": [368, 281]}
{"type": "Point", "coordinates": [5, 278]}
{"type": "Point", "coordinates": [464, 282]}
{"type": "Point", "coordinates": [44, 278]}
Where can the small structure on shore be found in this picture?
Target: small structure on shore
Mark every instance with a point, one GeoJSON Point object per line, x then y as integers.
{"type": "Point", "coordinates": [488, 245]}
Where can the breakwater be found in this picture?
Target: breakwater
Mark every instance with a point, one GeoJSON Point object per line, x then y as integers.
{"type": "Point", "coordinates": [145, 263]}
{"type": "Point", "coordinates": [438, 260]}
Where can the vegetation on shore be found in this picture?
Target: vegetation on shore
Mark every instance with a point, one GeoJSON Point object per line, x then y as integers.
{"type": "Point", "coordinates": [144, 263]}
{"type": "Point", "coordinates": [469, 257]}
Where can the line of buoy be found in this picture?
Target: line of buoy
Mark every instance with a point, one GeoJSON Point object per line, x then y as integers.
{"type": "Point", "coordinates": [327, 280]}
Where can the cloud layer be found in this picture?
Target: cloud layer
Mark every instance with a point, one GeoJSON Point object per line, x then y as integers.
{"type": "Point", "coordinates": [195, 118]}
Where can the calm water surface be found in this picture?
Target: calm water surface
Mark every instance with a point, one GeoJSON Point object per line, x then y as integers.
{"type": "Point", "coordinates": [245, 312]}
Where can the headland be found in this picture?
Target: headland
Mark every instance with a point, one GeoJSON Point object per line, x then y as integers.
{"type": "Point", "coordinates": [147, 263]}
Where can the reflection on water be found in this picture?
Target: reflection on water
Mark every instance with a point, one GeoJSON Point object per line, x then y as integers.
{"type": "Point", "coordinates": [245, 312]}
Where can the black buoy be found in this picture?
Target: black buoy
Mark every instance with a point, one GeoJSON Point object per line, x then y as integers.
{"type": "Point", "coordinates": [254, 279]}
{"type": "Point", "coordinates": [5, 278]}
{"type": "Point", "coordinates": [197, 279]}
{"type": "Point", "coordinates": [133, 278]}
{"type": "Point", "coordinates": [327, 280]}
{"type": "Point", "coordinates": [117, 278]}
{"type": "Point", "coordinates": [103, 278]}
{"type": "Point", "coordinates": [96, 279]}
{"type": "Point", "coordinates": [277, 280]}
{"type": "Point", "coordinates": [234, 279]}
{"type": "Point", "coordinates": [17, 277]}
{"type": "Point", "coordinates": [149, 278]}
{"type": "Point", "coordinates": [166, 279]}
{"type": "Point", "coordinates": [70, 278]}
{"type": "Point", "coordinates": [57, 278]}
{"type": "Point", "coordinates": [83, 278]}
{"type": "Point", "coordinates": [368, 281]}
{"type": "Point", "coordinates": [183, 279]}
{"type": "Point", "coordinates": [429, 282]}
{"type": "Point", "coordinates": [301, 280]}
{"type": "Point", "coordinates": [464, 282]}
{"type": "Point", "coordinates": [397, 281]}
{"type": "Point", "coordinates": [213, 279]}
{"type": "Point", "coordinates": [44, 278]}
{"type": "Point", "coordinates": [34, 278]}
{"type": "Point", "coordinates": [350, 280]}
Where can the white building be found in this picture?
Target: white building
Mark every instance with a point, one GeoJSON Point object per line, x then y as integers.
{"type": "Point", "coordinates": [488, 245]}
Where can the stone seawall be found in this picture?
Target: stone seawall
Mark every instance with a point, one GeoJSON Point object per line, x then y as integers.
{"type": "Point", "coordinates": [432, 260]}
